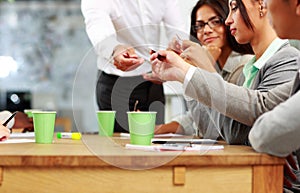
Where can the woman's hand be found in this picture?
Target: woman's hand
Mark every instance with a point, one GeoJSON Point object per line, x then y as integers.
{"type": "Point", "coordinates": [175, 45]}
{"type": "Point", "coordinates": [4, 133]}
{"type": "Point", "coordinates": [153, 79]}
{"type": "Point", "coordinates": [172, 127]}
{"type": "Point", "coordinates": [200, 56]}
{"type": "Point", "coordinates": [168, 66]}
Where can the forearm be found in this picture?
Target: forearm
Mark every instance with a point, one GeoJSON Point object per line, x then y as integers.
{"type": "Point", "coordinates": [277, 132]}
{"type": "Point", "coordinates": [172, 127]}
{"type": "Point", "coordinates": [236, 102]}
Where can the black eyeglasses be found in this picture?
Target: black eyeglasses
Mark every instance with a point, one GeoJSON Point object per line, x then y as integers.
{"type": "Point", "coordinates": [212, 23]}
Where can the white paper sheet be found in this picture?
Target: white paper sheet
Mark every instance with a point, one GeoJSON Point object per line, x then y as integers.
{"type": "Point", "coordinates": [182, 140]}
{"type": "Point", "coordinates": [18, 141]}
{"type": "Point", "coordinates": [156, 135]}
{"type": "Point", "coordinates": [22, 135]}
{"type": "Point", "coordinates": [177, 147]}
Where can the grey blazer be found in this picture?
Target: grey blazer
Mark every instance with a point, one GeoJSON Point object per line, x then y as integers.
{"type": "Point", "coordinates": [278, 132]}
{"type": "Point", "coordinates": [240, 105]}
{"type": "Point", "coordinates": [198, 114]}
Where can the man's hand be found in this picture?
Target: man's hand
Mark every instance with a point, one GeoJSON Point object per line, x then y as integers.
{"type": "Point", "coordinates": [125, 58]}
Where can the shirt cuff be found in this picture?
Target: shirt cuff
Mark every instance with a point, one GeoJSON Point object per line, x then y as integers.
{"type": "Point", "coordinates": [187, 79]}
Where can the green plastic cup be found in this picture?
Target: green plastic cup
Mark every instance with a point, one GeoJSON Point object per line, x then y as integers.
{"type": "Point", "coordinates": [28, 112]}
{"type": "Point", "coordinates": [106, 122]}
{"type": "Point", "coordinates": [141, 127]}
{"type": "Point", "coordinates": [44, 122]}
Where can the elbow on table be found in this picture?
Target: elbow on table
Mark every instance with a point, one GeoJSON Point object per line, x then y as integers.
{"type": "Point", "coordinates": [263, 145]}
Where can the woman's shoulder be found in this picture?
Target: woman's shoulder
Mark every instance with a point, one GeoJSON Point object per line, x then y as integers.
{"type": "Point", "coordinates": [286, 56]}
{"type": "Point", "coordinates": [286, 51]}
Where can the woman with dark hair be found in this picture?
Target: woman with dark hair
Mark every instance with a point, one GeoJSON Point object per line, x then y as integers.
{"type": "Point", "coordinates": [234, 107]}
{"type": "Point", "coordinates": [222, 10]}
{"type": "Point", "coordinates": [207, 25]}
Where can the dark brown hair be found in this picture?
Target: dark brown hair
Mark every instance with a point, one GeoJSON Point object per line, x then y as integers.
{"type": "Point", "coordinates": [222, 9]}
{"type": "Point", "coordinates": [245, 16]}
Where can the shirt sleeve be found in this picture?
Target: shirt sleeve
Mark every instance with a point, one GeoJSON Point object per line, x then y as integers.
{"type": "Point", "coordinates": [243, 105]}
{"type": "Point", "coordinates": [99, 25]}
{"type": "Point", "coordinates": [188, 78]}
{"type": "Point", "coordinates": [277, 132]}
{"type": "Point", "coordinates": [173, 20]}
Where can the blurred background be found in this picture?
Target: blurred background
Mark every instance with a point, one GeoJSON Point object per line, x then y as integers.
{"type": "Point", "coordinates": [43, 44]}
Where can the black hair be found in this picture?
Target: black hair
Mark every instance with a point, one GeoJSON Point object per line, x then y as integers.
{"type": "Point", "coordinates": [245, 16]}
{"type": "Point", "coordinates": [222, 9]}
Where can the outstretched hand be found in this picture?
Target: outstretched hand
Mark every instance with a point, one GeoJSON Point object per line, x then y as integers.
{"type": "Point", "coordinates": [175, 45]}
{"type": "Point", "coordinates": [200, 56]}
{"type": "Point", "coordinates": [168, 66]}
{"type": "Point", "coordinates": [125, 58]}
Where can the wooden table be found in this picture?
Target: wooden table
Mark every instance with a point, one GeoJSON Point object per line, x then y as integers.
{"type": "Point", "coordinates": [98, 164]}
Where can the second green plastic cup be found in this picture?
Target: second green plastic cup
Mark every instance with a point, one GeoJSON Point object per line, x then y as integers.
{"type": "Point", "coordinates": [28, 112]}
{"type": "Point", "coordinates": [44, 122]}
{"type": "Point", "coordinates": [141, 127]}
{"type": "Point", "coordinates": [106, 122]}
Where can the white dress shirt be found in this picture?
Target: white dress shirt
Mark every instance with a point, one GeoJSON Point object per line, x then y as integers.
{"type": "Point", "coordinates": [131, 22]}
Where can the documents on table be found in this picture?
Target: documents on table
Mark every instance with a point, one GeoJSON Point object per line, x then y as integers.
{"type": "Point", "coordinates": [174, 147]}
{"type": "Point", "coordinates": [22, 135]}
{"type": "Point", "coordinates": [182, 140]}
{"type": "Point", "coordinates": [156, 135]}
{"type": "Point", "coordinates": [18, 141]}
{"type": "Point", "coordinates": [20, 138]}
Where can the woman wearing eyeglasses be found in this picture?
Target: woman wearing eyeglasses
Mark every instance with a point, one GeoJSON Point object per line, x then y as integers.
{"type": "Point", "coordinates": [274, 63]}
{"type": "Point", "coordinates": [208, 26]}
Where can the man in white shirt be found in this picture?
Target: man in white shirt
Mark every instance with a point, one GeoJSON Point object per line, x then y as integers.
{"type": "Point", "coordinates": [122, 33]}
